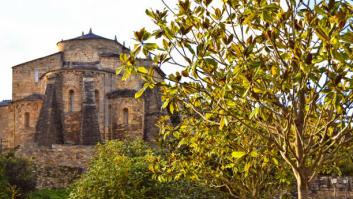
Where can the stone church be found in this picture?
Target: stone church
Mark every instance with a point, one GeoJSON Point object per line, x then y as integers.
{"type": "Point", "coordinates": [74, 97]}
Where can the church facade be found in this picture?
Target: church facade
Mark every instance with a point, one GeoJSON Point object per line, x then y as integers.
{"type": "Point", "coordinates": [74, 97]}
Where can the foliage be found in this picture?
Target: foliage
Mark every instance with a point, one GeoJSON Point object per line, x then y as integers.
{"type": "Point", "coordinates": [3, 181]}
{"type": "Point", "coordinates": [345, 163]}
{"type": "Point", "coordinates": [120, 170]}
{"type": "Point", "coordinates": [346, 167]}
{"type": "Point", "coordinates": [16, 176]}
{"type": "Point", "coordinates": [49, 194]}
{"type": "Point", "coordinates": [273, 70]}
{"type": "Point", "coordinates": [221, 159]}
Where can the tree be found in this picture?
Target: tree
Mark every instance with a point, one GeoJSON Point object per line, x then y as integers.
{"type": "Point", "coordinates": [280, 69]}
{"type": "Point", "coordinates": [120, 169]}
{"type": "Point", "coordinates": [234, 159]}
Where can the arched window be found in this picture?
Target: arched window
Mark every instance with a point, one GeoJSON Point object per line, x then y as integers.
{"type": "Point", "coordinates": [71, 100]}
{"type": "Point", "coordinates": [26, 122]}
{"type": "Point", "coordinates": [126, 116]}
{"type": "Point", "coordinates": [96, 94]}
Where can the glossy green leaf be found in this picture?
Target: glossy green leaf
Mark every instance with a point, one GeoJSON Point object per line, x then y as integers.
{"type": "Point", "coordinates": [238, 154]}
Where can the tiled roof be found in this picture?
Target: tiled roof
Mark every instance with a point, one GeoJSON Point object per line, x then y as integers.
{"type": "Point", "coordinates": [121, 93]}
{"type": "Point", "coordinates": [89, 35]}
{"type": "Point", "coordinates": [5, 102]}
{"type": "Point", "coordinates": [54, 54]}
{"type": "Point", "coordinates": [34, 96]}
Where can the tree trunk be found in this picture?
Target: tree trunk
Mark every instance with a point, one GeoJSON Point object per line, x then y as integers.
{"type": "Point", "coordinates": [302, 185]}
{"type": "Point", "coordinates": [254, 193]}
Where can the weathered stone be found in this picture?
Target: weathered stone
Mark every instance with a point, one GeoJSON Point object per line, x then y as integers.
{"type": "Point", "coordinates": [89, 130]}
{"type": "Point", "coordinates": [58, 166]}
{"type": "Point", "coordinates": [63, 107]}
{"type": "Point", "coordinates": [73, 98]}
{"type": "Point", "coordinates": [49, 127]}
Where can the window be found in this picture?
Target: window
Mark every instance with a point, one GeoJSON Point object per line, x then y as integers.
{"type": "Point", "coordinates": [36, 75]}
{"type": "Point", "coordinates": [71, 100]}
{"type": "Point", "coordinates": [96, 94]}
{"type": "Point", "coordinates": [26, 119]}
{"type": "Point", "coordinates": [126, 116]}
{"type": "Point", "coordinates": [110, 115]}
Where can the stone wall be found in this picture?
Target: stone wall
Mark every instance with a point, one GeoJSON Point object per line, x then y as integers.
{"type": "Point", "coordinates": [110, 62]}
{"type": "Point", "coordinates": [58, 166]}
{"type": "Point", "coordinates": [87, 50]}
{"type": "Point", "coordinates": [6, 133]}
{"type": "Point", "coordinates": [22, 132]}
{"type": "Point", "coordinates": [127, 117]}
{"type": "Point", "coordinates": [152, 110]}
{"type": "Point", "coordinates": [323, 188]}
{"type": "Point", "coordinates": [23, 75]}
{"type": "Point", "coordinates": [72, 83]}
{"type": "Point", "coordinates": [18, 121]}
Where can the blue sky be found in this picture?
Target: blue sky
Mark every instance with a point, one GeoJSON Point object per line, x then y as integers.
{"type": "Point", "coordinates": [31, 29]}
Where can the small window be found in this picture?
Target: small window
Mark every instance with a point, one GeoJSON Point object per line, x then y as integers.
{"type": "Point", "coordinates": [36, 75]}
{"type": "Point", "coordinates": [26, 122]}
{"type": "Point", "coordinates": [96, 94]}
{"type": "Point", "coordinates": [126, 116]}
{"type": "Point", "coordinates": [71, 100]}
{"type": "Point", "coordinates": [110, 115]}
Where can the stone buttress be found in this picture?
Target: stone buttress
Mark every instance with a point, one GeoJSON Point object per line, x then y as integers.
{"type": "Point", "coordinates": [49, 127]}
{"type": "Point", "coordinates": [89, 125]}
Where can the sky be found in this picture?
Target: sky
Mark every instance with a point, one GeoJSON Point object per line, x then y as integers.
{"type": "Point", "coordinates": [31, 29]}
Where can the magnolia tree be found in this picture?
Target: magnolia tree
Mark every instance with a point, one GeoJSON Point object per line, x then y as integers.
{"type": "Point", "coordinates": [276, 70]}
{"type": "Point", "coordinates": [234, 158]}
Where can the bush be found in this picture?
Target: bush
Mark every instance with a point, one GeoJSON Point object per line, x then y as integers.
{"type": "Point", "coordinates": [49, 194]}
{"type": "Point", "coordinates": [120, 170]}
{"type": "Point", "coordinates": [16, 176]}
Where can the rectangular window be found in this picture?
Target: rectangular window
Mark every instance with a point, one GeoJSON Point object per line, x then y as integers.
{"type": "Point", "coordinates": [36, 75]}
{"type": "Point", "coordinates": [26, 122]}
{"type": "Point", "coordinates": [126, 116]}
{"type": "Point", "coordinates": [71, 101]}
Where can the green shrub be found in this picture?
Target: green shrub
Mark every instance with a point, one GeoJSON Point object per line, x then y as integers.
{"type": "Point", "coordinates": [16, 176]}
{"type": "Point", "coordinates": [49, 194]}
{"type": "Point", "coordinates": [121, 170]}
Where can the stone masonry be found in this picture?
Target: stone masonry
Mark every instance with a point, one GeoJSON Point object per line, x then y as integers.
{"type": "Point", "coordinates": [74, 97]}
{"type": "Point", "coordinates": [89, 124]}
{"type": "Point", "coordinates": [58, 166]}
{"type": "Point", "coordinates": [64, 103]}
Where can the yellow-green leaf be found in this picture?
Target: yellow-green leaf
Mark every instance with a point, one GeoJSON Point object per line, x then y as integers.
{"type": "Point", "coordinates": [223, 122]}
{"type": "Point", "coordinates": [254, 154]}
{"type": "Point", "coordinates": [274, 70]}
{"type": "Point", "coordinates": [142, 69]}
{"type": "Point", "coordinates": [247, 167]}
{"type": "Point", "coordinates": [118, 70]}
{"type": "Point", "coordinates": [275, 161]}
{"type": "Point", "coordinates": [140, 92]}
{"type": "Point", "coordinates": [238, 154]}
{"type": "Point", "coordinates": [321, 34]}
{"type": "Point", "coordinates": [257, 90]}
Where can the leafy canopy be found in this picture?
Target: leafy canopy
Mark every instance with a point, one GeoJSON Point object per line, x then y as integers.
{"type": "Point", "coordinates": [120, 169]}
{"type": "Point", "coordinates": [280, 70]}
